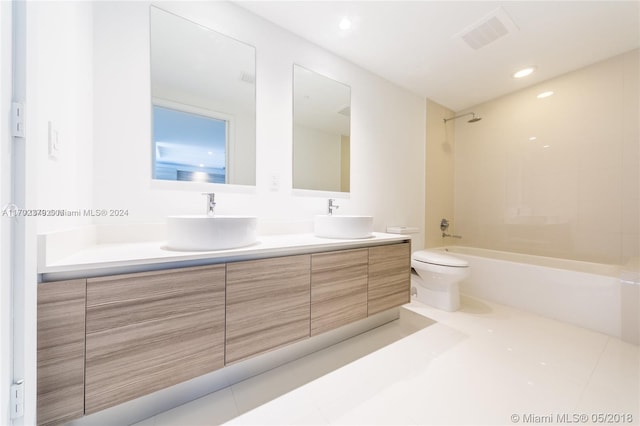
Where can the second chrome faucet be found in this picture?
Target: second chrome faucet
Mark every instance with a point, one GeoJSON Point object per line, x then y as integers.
{"type": "Point", "coordinates": [332, 206]}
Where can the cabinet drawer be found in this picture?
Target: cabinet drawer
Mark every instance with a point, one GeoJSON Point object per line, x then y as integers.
{"type": "Point", "coordinates": [267, 305]}
{"type": "Point", "coordinates": [60, 387]}
{"type": "Point", "coordinates": [338, 289]}
{"type": "Point", "coordinates": [389, 276]}
{"type": "Point", "coordinates": [152, 330]}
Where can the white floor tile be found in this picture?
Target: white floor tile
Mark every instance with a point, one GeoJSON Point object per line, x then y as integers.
{"type": "Point", "coordinates": [615, 383]}
{"type": "Point", "coordinates": [212, 409]}
{"type": "Point", "coordinates": [151, 421]}
{"type": "Point", "coordinates": [294, 408]}
{"type": "Point", "coordinates": [260, 389]}
{"type": "Point", "coordinates": [480, 365]}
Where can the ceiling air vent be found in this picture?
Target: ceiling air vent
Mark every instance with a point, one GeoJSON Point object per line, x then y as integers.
{"type": "Point", "coordinates": [488, 29]}
{"type": "Point", "coordinates": [346, 111]}
{"type": "Point", "coordinates": [247, 77]}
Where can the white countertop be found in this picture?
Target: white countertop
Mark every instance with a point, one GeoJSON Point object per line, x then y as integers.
{"type": "Point", "coordinates": [117, 258]}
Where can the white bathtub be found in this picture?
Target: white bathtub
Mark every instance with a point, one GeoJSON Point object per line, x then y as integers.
{"type": "Point", "coordinates": [604, 298]}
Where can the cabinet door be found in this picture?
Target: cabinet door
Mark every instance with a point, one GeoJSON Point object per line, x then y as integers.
{"type": "Point", "coordinates": [389, 276]}
{"type": "Point", "coordinates": [267, 305]}
{"type": "Point", "coordinates": [60, 387]}
{"type": "Point", "coordinates": [338, 289]}
{"type": "Point", "coordinates": [152, 330]}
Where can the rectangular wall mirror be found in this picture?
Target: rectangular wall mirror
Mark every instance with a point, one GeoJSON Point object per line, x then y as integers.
{"type": "Point", "coordinates": [321, 132]}
{"type": "Point", "coordinates": [203, 103]}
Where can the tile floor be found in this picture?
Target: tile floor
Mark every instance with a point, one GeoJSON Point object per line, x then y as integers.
{"type": "Point", "coordinates": [485, 364]}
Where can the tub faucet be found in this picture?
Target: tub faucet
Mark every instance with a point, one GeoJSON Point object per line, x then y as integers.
{"type": "Point", "coordinates": [332, 206]}
{"type": "Point", "coordinates": [211, 203]}
{"type": "Point", "coordinates": [444, 225]}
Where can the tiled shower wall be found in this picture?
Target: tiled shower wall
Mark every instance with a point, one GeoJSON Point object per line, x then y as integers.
{"type": "Point", "coordinates": [556, 176]}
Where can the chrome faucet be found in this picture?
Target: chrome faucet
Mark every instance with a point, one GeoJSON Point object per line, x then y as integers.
{"type": "Point", "coordinates": [211, 203]}
{"type": "Point", "coordinates": [332, 206]}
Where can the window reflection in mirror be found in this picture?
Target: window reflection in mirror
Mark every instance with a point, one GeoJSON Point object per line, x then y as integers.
{"type": "Point", "coordinates": [203, 103]}
{"type": "Point", "coordinates": [189, 146]}
{"type": "Point", "coordinates": [321, 132]}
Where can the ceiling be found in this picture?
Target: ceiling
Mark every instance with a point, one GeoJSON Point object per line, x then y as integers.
{"type": "Point", "coordinates": [416, 44]}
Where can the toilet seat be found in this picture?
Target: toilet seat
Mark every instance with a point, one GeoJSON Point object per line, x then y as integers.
{"type": "Point", "coordinates": [436, 258]}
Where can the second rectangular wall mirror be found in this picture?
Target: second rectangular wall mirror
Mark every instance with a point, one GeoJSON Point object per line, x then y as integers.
{"type": "Point", "coordinates": [203, 103]}
{"type": "Point", "coordinates": [321, 132]}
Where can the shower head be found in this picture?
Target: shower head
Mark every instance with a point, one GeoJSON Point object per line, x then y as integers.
{"type": "Point", "coordinates": [472, 120]}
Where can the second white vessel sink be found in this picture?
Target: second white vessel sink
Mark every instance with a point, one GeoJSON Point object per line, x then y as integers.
{"type": "Point", "coordinates": [203, 233]}
{"type": "Point", "coordinates": [343, 226]}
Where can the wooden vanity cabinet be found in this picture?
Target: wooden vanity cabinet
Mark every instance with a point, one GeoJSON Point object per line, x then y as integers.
{"type": "Point", "coordinates": [267, 305]}
{"type": "Point", "coordinates": [389, 276]}
{"type": "Point", "coordinates": [147, 331]}
{"type": "Point", "coordinates": [338, 288]}
{"type": "Point", "coordinates": [107, 340]}
{"type": "Point", "coordinates": [60, 357]}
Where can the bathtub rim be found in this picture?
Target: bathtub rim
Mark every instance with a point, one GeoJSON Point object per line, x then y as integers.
{"type": "Point", "coordinates": [609, 270]}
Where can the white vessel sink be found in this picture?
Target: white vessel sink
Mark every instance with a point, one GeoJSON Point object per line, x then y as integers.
{"type": "Point", "coordinates": [202, 233]}
{"type": "Point", "coordinates": [343, 226]}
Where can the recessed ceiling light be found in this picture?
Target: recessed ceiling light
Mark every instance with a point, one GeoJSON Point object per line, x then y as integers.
{"type": "Point", "coordinates": [524, 72]}
{"type": "Point", "coordinates": [545, 94]}
{"type": "Point", "coordinates": [345, 24]}
{"type": "Point", "coordinates": [533, 138]}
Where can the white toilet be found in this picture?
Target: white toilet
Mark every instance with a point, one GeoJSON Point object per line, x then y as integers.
{"type": "Point", "coordinates": [438, 275]}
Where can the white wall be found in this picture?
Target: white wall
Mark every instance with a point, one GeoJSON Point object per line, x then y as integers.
{"type": "Point", "coordinates": [573, 191]}
{"type": "Point", "coordinates": [60, 63]}
{"type": "Point", "coordinates": [387, 138]}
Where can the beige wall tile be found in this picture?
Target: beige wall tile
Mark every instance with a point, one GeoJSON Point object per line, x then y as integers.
{"type": "Point", "coordinates": [439, 174]}
{"type": "Point", "coordinates": [573, 190]}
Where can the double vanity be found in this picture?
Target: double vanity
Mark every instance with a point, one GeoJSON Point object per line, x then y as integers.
{"type": "Point", "coordinates": [120, 321]}
{"type": "Point", "coordinates": [129, 310]}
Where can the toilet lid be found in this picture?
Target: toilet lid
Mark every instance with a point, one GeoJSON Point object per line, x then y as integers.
{"type": "Point", "coordinates": [438, 258]}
